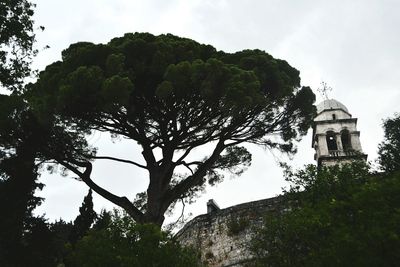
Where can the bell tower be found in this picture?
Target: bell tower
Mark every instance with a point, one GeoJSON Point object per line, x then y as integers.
{"type": "Point", "coordinates": [335, 136]}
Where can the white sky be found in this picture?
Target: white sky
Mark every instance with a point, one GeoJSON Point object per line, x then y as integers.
{"type": "Point", "coordinates": [351, 45]}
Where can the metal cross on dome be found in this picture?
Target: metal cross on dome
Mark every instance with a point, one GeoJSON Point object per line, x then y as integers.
{"type": "Point", "coordinates": [324, 90]}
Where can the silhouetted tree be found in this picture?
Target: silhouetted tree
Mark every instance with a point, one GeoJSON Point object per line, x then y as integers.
{"type": "Point", "coordinates": [23, 144]}
{"type": "Point", "coordinates": [389, 149]}
{"type": "Point", "coordinates": [84, 220]}
{"type": "Point", "coordinates": [18, 174]}
{"type": "Point", "coordinates": [61, 232]}
{"type": "Point", "coordinates": [16, 42]}
{"type": "Point", "coordinates": [39, 245]}
{"type": "Point", "coordinates": [18, 168]}
{"type": "Point", "coordinates": [171, 95]}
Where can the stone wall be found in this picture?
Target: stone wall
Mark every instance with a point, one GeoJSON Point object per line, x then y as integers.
{"type": "Point", "coordinates": [223, 235]}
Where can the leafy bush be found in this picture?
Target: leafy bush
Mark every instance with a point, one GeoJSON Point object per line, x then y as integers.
{"type": "Point", "coordinates": [125, 243]}
{"type": "Point", "coordinates": [344, 217]}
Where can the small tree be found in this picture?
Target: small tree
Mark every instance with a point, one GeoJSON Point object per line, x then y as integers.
{"type": "Point", "coordinates": [171, 95]}
{"type": "Point", "coordinates": [389, 149]}
{"type": "Point", "coordinates": [84, 220]}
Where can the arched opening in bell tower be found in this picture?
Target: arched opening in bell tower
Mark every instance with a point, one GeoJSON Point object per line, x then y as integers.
{"type": "Point", "coordinates": [331, 141]}
{"type": "Point", "coordinates": [346, 140]}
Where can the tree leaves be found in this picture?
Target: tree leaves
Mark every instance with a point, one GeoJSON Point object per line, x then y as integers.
{"type": "Point", "coordinates": [389, 149]}
{"type": "Point", "coordinates": [16, 42]}
{"type": "Point", "coordinates": [334, 217]}
{"type": "Point", "coordinates": [171, 94]}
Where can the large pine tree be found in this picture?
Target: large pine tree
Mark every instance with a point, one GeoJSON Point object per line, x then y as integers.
{"type": "Point", "coordinates": [171, 96]}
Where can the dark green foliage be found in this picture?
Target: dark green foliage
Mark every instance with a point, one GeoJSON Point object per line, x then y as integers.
{"type": "Point", "coordinates": [173, 95]}
{"type": "Point", "coordinates": [84, 220]}
{"type": "Point", "coordinates": [18, 170]}
{"type": "Point", "coordinates": [23, 143]}
{"type": "Point", "coordinates": [312, 184]}
{"type": "Point", "coordinates": [39, 246]}
{"type": "Point", "coordinates": [344, 217]}
{"type": "Point", "coordinates": [61, 232]}
{"type": "Point", "coordinates": [16, 204]}
{"type": "Point", "coordinates": [114, 240]}
{"type": "Point", "coordinates": [124, 243]}
{"type": "Point", "coordinates": [36, 246]}
{"type": "Point", "coordinates": [389, 149]}
{"type": "Point", "coordinates": [102, 220]}
{"type": "Point", "coordinates": [16, 42]}
{"type": "Point", "coordinates": [18, 176]}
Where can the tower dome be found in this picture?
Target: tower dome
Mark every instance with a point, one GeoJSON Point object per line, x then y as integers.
{"type": "Point", "coordinates": [330, 104]}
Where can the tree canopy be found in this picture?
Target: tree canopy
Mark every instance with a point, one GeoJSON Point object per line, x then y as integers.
{"type": "Point", "coordinates": [343, 216]}
{"type": "Point", "coordinates": [118, 241]}
{"type": "Point", "coordinates": [16, 42]}
{"type": "Point", "coordinates": [170, 95]}
{"type": "Point", "coordinates": [389, 149]}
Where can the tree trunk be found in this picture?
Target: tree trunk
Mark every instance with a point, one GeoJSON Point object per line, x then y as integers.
{"type": "Point", "coordinates": [155, 213]}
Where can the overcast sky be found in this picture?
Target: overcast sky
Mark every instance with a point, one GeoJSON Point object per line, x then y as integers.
{"type": "Point", "coordinates": [351, 45]}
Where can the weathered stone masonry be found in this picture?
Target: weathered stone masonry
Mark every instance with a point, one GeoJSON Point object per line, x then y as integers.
{"type": "Point", "coordinates": [223, 235]}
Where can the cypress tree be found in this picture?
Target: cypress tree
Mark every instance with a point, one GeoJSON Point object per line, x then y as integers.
{"type": "Point", "coordinates": [84, 220]}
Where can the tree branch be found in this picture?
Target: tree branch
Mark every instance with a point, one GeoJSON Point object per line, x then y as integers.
{"type": "Point", "coordinates": [122, 202]}
{"type": "Point", "coordinates": [188, 167]}
{"type": "Point", "coordinates": [195, 179]}
{"type": "Point", "coordinates": [120, 160]}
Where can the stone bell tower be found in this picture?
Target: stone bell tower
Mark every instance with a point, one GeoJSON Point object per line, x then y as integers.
{"type": "Point", "coordinates": [335, 136]}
